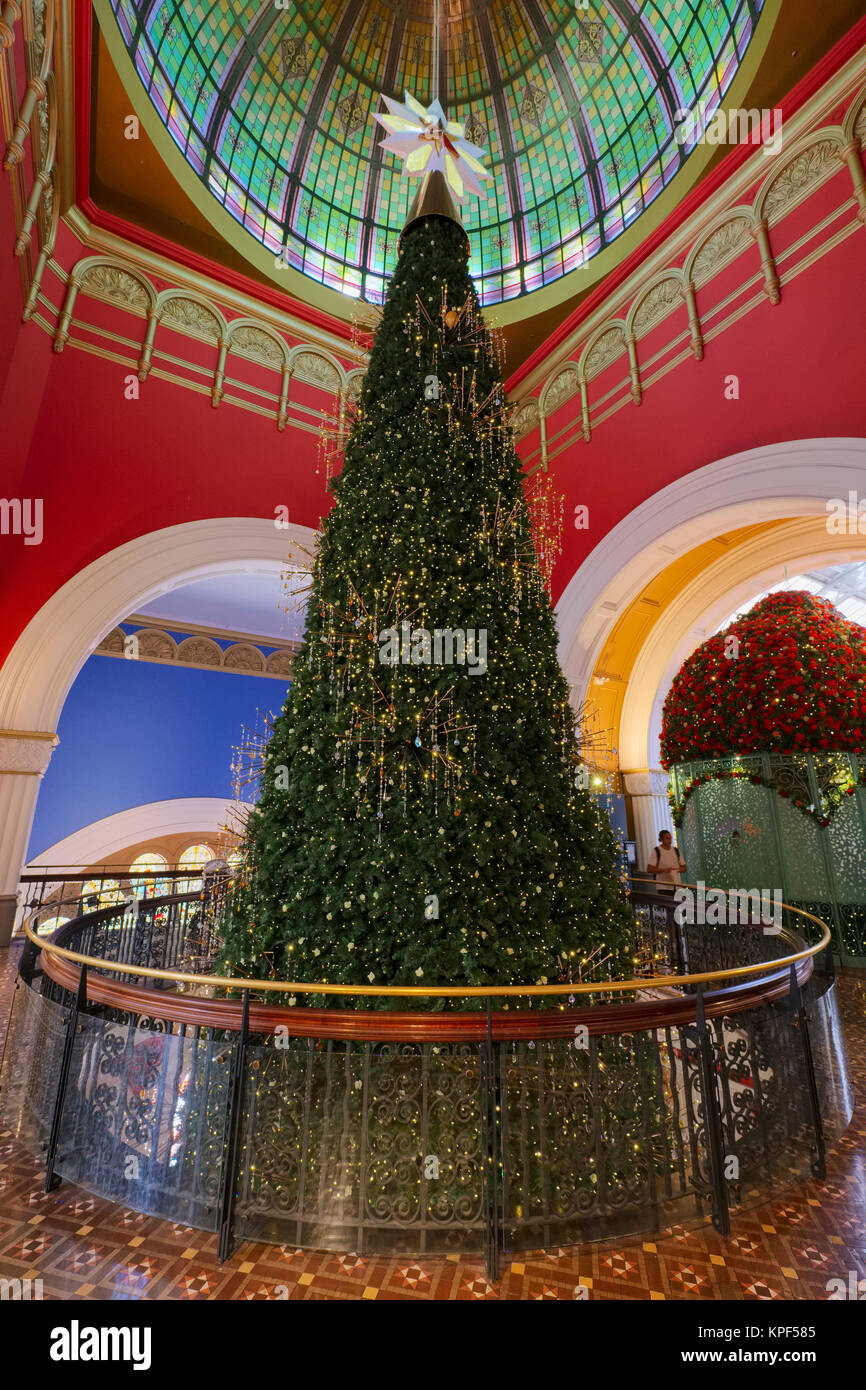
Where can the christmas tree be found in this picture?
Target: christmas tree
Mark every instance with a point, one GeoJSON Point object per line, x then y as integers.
{"type": "Point", "coordinates": [422, 817]}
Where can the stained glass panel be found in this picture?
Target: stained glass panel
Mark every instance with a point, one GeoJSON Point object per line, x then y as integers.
{"type": "Point", "coordinates": [576, 110]}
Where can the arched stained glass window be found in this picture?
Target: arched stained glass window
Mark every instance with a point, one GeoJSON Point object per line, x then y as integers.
{"type": "Point", "coordinates": [50, 924]}
{"type": "Point", "coordinates": [193, 857]}
{"type": "Point", "coordinates": [98, 893]}
{"type": "Point", "coordinates": [149, 887]}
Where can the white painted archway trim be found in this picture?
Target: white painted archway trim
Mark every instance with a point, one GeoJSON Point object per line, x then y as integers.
{"type": "Point", "coordinates": [37, 674]}
{"type": "Point", "coordinates": [703, 605]}
{"type": "Point", "coordinates": [777, 481]}
{"type": "Point", "coordinates": [94, 843]}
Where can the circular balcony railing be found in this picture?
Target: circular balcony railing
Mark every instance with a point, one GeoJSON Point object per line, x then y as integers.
{"type": "Point", "coordinates": [706, 1082]}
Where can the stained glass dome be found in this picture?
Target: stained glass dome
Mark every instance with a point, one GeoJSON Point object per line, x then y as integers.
{"type": "Point", "coordinates": [577, 110]}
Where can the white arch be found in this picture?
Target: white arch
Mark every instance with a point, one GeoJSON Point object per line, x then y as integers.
{"type": "Point", "coordinates": [830, 134]}
{"type": "Point", "coordinates": [37, 674]}
{"type": "Point", "coordinates": [593, 340]}
{"type": "Point", "coordinates": [94, 843]}
{"type": "Point", "coordinates": [775, 482]}
{"type": "Point", "coordinates": [703, 605]}
{"type": "Point", "coordinates": [314, 350]}
{"type": "Point", "coordinates": [740, 212]}
{"type": "Point", "coordinates": [49, 653]}
{"type": "Point", "coordinates": [670, 273]}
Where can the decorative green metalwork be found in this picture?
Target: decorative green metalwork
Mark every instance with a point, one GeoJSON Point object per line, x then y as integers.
{"type": "Point", "coordinates": [741, 826]}
{"type": "Point", "coordinates": [577, 111]}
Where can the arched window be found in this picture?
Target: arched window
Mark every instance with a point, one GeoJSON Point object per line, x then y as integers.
{"type": "Point", "coordinates": [50, 924]}
{"type": "Point", "coordinates": [149, 887]}
{"type": "Point", "coordinates": [193, 857]}
{"type": "Point", "coordinates": [98, 893]}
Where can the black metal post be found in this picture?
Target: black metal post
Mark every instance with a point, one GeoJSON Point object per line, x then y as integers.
{"type": "Point", "coordinates": [680, 953]}
{"type": "Point", "coordinates": [27, 964]}
{"type": "Point", "coordinates": [712, 1121]}
{"type": "Point", "coordinates": [232, 1144]}
{"type": "Point", "coordinates": [801, 1023]}
{"type": "Point", "coordinates": [76, 1010]}
{"type": "Point", "coordinates": [490, 1120]}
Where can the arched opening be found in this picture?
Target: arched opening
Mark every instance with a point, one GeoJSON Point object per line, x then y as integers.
{"type": "Point", "coordinates": [45, 660]}
{"type": "Point", "coordinates": [719, 553]}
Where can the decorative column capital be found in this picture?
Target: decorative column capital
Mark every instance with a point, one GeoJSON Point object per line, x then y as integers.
{"type": "Point", "coordinates": [28, 753]}
{"type": "Point", "coordinates": [646, 782]}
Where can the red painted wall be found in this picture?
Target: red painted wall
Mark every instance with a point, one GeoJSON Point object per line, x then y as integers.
{"type": "Point", "coordinates": [801, 366]}
{"type": "Point", "coordinates": [109, 469]}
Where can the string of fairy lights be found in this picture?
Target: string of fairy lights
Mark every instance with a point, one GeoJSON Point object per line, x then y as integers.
{"type": "Point", "coordinates": [403, 741]}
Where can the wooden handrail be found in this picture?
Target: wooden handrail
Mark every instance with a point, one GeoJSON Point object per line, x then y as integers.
{"type": "Point", "coordinates": [373, 1025]}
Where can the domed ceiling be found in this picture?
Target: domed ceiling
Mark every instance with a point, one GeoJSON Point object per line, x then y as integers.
{"type": "Point", "coordinates": [576, 109]}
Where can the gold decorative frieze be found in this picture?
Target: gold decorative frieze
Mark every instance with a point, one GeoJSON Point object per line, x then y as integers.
{"type": "Point", "coordinates": [564, 385]}
{"type": "Point", "coordinates": [802, 166]}
{"type": "Point", "coordinates": [200, 650]}
{"type": "Point", "coordinates": [354, 382]}
{"type": "Point", "coordinates": [192, 317]}
{"type": "Point", "coordinates": [609, 345]}
{"type": "Point", "coordinates": [243, 656]}
{"type": "Point", "coordinates": [674, 278]}
{"type": "Point", "coordinates": [318, 370]}
{"type": "Point", "coordinates": [656, 304]}
{"type": "Point", "coordinates": [258, 344]}
{"type": "Point", "coordinates": [525, 417]}
{"type": "Point", "coordinates": [719, 248]}
{"type": "Point", "coordinates": [800, 176]}
{"type": "Point", "coordinates": [117, 286]}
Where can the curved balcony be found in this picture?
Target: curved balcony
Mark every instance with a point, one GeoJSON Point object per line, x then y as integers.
{"type": "Point", "coordinates": [705, 1083]}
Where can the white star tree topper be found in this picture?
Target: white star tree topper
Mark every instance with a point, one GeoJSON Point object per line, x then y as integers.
{"type": "Point", "coordinates": [425, 140]}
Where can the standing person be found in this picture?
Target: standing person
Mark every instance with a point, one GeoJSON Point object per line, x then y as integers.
{"type": "Point", "coordinates": [667, 864]}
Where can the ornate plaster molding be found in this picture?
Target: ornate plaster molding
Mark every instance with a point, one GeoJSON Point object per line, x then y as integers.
{"type": "Point", "coordinates": [814, 151]}
{"type": "Point", "coordinates": [27, 753]}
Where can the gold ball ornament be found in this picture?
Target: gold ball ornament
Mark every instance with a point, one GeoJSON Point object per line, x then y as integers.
{"type": "Point", "coordinates": [451, 317]}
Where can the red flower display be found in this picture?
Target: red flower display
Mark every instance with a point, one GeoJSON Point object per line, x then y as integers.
{"type": "Point", "coordinates": [793, 680]}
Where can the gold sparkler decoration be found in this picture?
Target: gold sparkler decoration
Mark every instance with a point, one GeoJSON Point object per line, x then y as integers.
{"type": "Point", "coordinates": [546, 515]}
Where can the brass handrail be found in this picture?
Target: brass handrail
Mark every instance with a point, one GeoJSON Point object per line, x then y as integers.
{"type": "Point", "coordinates": [240, 982]}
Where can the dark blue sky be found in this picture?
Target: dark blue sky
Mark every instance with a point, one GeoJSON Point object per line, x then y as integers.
{"type": "Point", "coordinates": [135, 731]}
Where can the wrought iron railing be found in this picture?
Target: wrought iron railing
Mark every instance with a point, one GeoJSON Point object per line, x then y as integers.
{"type": "Point", "coordinates": [672, 1096]}
{"type": "Point", "coordinates": [59, 893]}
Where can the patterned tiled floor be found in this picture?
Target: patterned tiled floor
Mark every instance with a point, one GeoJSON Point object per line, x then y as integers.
{"type": "Point", "coordinates": [83, 1247]}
